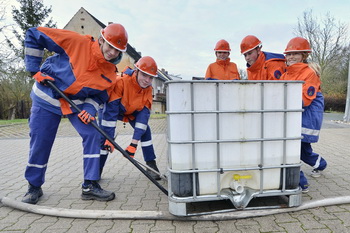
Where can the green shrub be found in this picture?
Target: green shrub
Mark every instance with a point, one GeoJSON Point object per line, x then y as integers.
{"type": "Point", "coordinates": [334, 102]}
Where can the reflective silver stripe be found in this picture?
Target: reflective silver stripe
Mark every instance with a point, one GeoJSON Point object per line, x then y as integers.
{"type": "Point", "coordinates": [104, 152]}
{"type": "Point", "coordinates": [317, 164]}
{"type": "Point", "coordinates": [34, 52]}
{"type": "Point", "coordinates": [56, 102]}
{"type": "Point", "coordinates": [91, 156]}
{"type": "Point", "coordinates": [140, 126]}
{"type": "Point", "coordinates": [77, 102]}
{"type": "Point", "coordinates": [93, 103]}
{"type": "Point", "coordinates": [37, 165]}
{"type": "Point", "coordinates": [147, 143]}
{"type": "Point", "coordinates": [312, 132]}
{"type": "Point", "coordinates": [109, 123]}
{"type": "Point", "coordinates": [45, 96]}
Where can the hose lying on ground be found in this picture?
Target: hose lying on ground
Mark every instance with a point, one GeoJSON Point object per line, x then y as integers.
{"type": "Point", "coordinates": [161, 215]}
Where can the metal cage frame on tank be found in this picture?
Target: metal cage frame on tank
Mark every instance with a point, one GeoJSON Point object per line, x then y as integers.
{"type": "Point", "coordinates": [233, 142]}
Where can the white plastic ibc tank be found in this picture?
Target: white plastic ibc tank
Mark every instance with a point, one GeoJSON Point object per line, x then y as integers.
{"type": "Point", "coordinates": [241, 114]}
{"type": "Point", "coordinates": [180, 125]}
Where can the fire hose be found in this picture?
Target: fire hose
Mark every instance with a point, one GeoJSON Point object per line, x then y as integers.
{"type": "Point", "coordinates": [164, 215]}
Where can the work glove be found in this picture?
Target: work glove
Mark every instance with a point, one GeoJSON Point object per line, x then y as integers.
{"type": "Point", "coordinates": [41, 77]}
{"type": "Point", "coordinates": [85, 117]}
{"type": "Point", "coordinates": [131, 149]}
{"type": "Point", "coordinates": [109, 146]}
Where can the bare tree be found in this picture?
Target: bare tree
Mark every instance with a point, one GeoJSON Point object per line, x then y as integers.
{"type": "Point", "coordinates": [15, 83]}
{"type": "Point", "coordinates": [4, 52]}
{"type": "Point", "coordinates": [327, 38]}
{"type": "Point", "coordinates": [329, 42]}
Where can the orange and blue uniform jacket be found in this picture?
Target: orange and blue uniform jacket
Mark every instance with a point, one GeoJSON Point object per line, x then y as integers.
{"type": "Point", "coordinates": [222, 70]}
{"type": "Point", "coordinates": [78, 67]}
{"type": "Point", "coordinates": [82, 73]}
{"type": "Point", "coordinates": [313, 105]}
{"type": "Point", "coordinates": [129, 103]}
{"type": "Point", "coordinates": [268, 66]}
{"type": "Point", "coordinates": [313, 101]}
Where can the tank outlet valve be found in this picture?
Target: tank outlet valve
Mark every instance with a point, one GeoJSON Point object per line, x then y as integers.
{"type": "Point", "coordinates": [237, 186]}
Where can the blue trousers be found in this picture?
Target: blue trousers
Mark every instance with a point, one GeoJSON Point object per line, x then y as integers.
{"type": "Point", "coordinates": [311, 158]}
{"type": "Point", "coordinates": [303, 181]}
{"type": "Point", "coordinates": [146, 145]}
{"type": "Point", "coordinates": [43, 126]}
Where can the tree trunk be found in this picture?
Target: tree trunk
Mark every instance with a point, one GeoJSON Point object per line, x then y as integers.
{"type": "Point", "coordinates": [12, 111]}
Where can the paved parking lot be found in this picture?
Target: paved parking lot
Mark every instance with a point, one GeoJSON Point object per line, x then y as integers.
{"type": "Point", "coordinates": [136, 194]}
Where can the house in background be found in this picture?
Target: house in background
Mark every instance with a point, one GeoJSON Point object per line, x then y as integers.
{"type": "Point", "coordinates": [86, 24]}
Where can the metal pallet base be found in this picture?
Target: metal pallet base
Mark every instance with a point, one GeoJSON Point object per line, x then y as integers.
{"type": "Point", "coordinates": [227, 201]}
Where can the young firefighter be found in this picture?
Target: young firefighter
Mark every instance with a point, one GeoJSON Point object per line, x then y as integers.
{"type": "Point", "coordinates": [131, 102]}
{"type": "Point", "coordinates": [297, 51]}
{"type": "Point", "coordinates": [84, 69]}
{"type": "Point", "coordinates": [222, 69]}
{"type": "Point", "coordinates": [261, 65]}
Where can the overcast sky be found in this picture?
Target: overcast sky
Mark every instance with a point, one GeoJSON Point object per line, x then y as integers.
{"type": "Point", "coordinates": [181, 34]}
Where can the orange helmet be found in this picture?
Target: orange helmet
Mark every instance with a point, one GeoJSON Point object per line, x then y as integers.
{"type": "Point", "coordinates": [222, 46]}
{"type": "Point", "coordinates": [115, 35]}
{"type": "Point", "coordinates": [147, 65]}
{"type": "Point", "coordinates": [298, 44]}
{"type": "Point", "coordinates": [249, 43]}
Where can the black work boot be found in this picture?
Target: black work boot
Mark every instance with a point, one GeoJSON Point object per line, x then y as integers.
{"type": "Point", "coordinates": [33, 195]}
{"type": "Point", "coordinates": [93, 191]}
{"type": "Point", "coordinates": [152, 164]}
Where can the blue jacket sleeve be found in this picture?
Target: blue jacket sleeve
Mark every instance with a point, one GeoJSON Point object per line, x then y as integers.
{"type": "Point", "coordinates": [141, 123]}
{"type": "Point", "coordinates": [93, 103]}
{"type": "Point", "coordinates": [35, 43]}
{"type": "Point", "coordinates": [109, 117]}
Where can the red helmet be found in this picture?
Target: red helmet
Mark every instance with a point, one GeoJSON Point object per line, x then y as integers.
{"type": "Point", "coordinates": [249, 43]}
{"type": "Point", "coordinates": [147, 65]}
{"type": "Point", "coordinates": [222, 46]}
{"type": "Point", "coordinates": [298, 44]}
{"type": "Point", "coordinates": [115, 35]}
